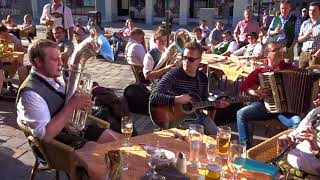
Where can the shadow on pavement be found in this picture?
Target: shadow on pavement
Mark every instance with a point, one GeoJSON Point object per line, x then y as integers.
{"type": "Point", "coordinates": [12, 168]}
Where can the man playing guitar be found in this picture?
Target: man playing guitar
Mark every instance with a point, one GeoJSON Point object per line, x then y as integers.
{"type": "Point", "coordinates": [182, 81]}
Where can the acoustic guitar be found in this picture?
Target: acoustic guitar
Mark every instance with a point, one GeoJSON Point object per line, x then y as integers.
{"type": "Point", "coordinates": [171, 116]}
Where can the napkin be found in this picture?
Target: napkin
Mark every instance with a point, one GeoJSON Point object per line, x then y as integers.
{"type": "Point", "coordinates": [253, 165]}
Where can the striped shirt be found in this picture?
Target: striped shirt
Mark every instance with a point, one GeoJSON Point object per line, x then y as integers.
{"type": "Point", "coordinates": [312, 44]}
{"type": "Point", "coordinates": [176, 82]}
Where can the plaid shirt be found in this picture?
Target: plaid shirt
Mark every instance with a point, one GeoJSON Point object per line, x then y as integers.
{"type": "Point", "coordinates": [312, 44]}
{"type": "Point", "coordinates": [281, 37]}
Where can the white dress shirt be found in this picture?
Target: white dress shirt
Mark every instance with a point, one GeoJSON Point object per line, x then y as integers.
{"type": "Point", "coordinates": [301, 157]}
{"type": "Point", "coordinates": [33, 109]}
{"type": "Point", "coordinates": [148, 63]}
{"type": "Point", "coordinates": [134, 52]}
{"type": "Point", "coordinates": [68, 21]}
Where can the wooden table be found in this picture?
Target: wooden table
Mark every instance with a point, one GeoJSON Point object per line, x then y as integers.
{"type": "Point", "coordinates": [231, 67]}
{"type": "Point", "coordinates": [91, 156]}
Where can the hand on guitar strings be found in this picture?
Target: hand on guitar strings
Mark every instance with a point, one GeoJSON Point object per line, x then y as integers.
{"type": "Point", "coordinates": [183, 99]}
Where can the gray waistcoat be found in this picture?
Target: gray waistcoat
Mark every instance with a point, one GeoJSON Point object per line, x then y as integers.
{"type": "Point", "coordinates": [54, 99]}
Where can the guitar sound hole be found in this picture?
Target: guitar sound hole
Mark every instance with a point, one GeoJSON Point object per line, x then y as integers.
{"type": "Point", "coordinates": [187, 107]}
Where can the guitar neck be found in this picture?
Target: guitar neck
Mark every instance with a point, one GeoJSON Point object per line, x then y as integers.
{"type": "Point", "coordinates": [204, 104]}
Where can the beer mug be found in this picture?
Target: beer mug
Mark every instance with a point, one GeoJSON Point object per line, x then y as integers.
{"type": "Point", "coordinates": [79, 116]}
{"type": "Point", "coordinates": [224, 136]}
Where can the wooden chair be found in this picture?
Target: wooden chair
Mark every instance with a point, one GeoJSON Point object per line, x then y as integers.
{"type": "Point", "coordinates": [55, 155]}
{"type": "Point", "coordinates": [269, 125]}
{"type": "Point", "coordinates": [266, 150]}
{"type": "Point", "coordinates": [138, 74]}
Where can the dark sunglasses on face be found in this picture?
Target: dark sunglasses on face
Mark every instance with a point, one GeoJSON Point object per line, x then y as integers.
{"type": "Point", "coordinates": [190, 59]}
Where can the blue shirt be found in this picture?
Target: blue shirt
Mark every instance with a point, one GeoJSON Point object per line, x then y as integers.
{"type": "Point", "coordinates": [312, 44]}
{"type": "Point", "coordinates": [281, 37]}
{"type": "Point", "coordinates": [216, 35]}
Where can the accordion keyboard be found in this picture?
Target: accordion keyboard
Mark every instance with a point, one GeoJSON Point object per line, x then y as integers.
{"type": "Point", "coordinates": [271, 100]}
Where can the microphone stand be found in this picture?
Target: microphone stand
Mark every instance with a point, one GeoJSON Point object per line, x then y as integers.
{"type": "Point", "coordinates": [285, 152]}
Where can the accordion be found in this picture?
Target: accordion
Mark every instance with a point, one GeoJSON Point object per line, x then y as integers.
{"type": "Point", "coordinates": [290, 91]}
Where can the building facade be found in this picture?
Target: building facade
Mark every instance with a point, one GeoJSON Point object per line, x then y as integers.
{"type": "Point", "coordinates": [151, 11]}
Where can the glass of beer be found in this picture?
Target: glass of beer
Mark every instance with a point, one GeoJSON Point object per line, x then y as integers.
{"type": "Point", "coordinates": [213, 172]}
{"type": "Point", "coordinates": [224, 136]}
{"type": "Point", "coordinates": [196, 132]}
{"type": "Point", "coordinates": [126, 129]}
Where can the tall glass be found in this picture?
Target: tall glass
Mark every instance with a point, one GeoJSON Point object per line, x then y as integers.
{"type": "Point", "coordinates": [211, 148]}
{"type": "Point", "coordinates": [237, 150]}
{"type": "Point", "coordinates": [196, 132]}
{"type": "Point", "coordinates": [224, 136]}
{"type": "Point", "coordinates": [126, 129]}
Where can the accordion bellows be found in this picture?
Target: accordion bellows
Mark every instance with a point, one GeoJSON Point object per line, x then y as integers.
{"type": "Point", "coordinates": [290, 91]}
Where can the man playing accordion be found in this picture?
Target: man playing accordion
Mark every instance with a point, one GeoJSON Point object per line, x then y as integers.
{"type": "Point", "coordinates": [256, 111]}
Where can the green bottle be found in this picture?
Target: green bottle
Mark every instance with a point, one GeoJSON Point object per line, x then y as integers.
{"type": "Point", "coordinates": [276, 23]}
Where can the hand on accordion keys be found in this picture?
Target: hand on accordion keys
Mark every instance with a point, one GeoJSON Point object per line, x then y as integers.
{"type": "Point", "coordinates": [261, 93]}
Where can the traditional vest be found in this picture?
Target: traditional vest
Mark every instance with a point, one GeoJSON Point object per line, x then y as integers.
{"type": "Point", "coordinates": [54, 99]}
{"type": "Point", "coordinates": [156, 55]}
{"type": "Point", "coordinates": [202, 42]}
{"type": "Point", "coordinates": [222, 48]}
{"type": "Point", "coordinates": [289, 29]}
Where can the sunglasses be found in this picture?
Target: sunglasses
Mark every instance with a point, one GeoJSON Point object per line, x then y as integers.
{"type": "Point", "coordinates": [190, 59]}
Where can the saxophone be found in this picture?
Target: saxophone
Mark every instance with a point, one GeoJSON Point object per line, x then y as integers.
{"type": "Point", "coordinates": [78, 79]}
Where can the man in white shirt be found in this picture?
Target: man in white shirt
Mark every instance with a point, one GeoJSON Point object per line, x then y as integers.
{"type": "Point", "coordinates": [306, 155]}
{"type": "Point", "coordinates": [251, 51]}
{"type": "Point", "coordinates": [57, 14]}
{"type": "Point", "coordinates": [41, 101]}
{"type": "Point", "coordinates": [135, 48]}
{"type": "Point", "coordinates": [152, 58]}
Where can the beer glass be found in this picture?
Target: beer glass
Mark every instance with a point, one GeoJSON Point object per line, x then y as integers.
{"type": "Point", "coordinates": [196, 132]}
{"type": "Point", "coordinates": [224, 135]}
{"type": "Point", "coordinates": [79, 117]}
{"type": "Point", "coordinates": [211, 148]}
{"type": "Point", "coordinates": [126, 129]}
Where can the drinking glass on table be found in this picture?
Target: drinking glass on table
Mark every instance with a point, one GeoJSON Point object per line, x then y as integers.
{"type": "Point", "coordinates": [196, 132]}
{"type": "Point", "coordinates": [237, 151]}
{"type": "Point", "coordinates": [224, 135]}
{"type": "Point", "coordinates": [126, 129]}
{"type": "Point", "coordinates": [153, 162]}
{"type": "Point", "coordinates": [211, 148]}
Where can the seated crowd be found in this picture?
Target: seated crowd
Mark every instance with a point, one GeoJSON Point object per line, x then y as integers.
{"type": "Point", "coordinates": [41, 96]}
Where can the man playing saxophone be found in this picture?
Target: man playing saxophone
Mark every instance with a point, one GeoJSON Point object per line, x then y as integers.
{"type": "Point", "coordinates": [41, 98]}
